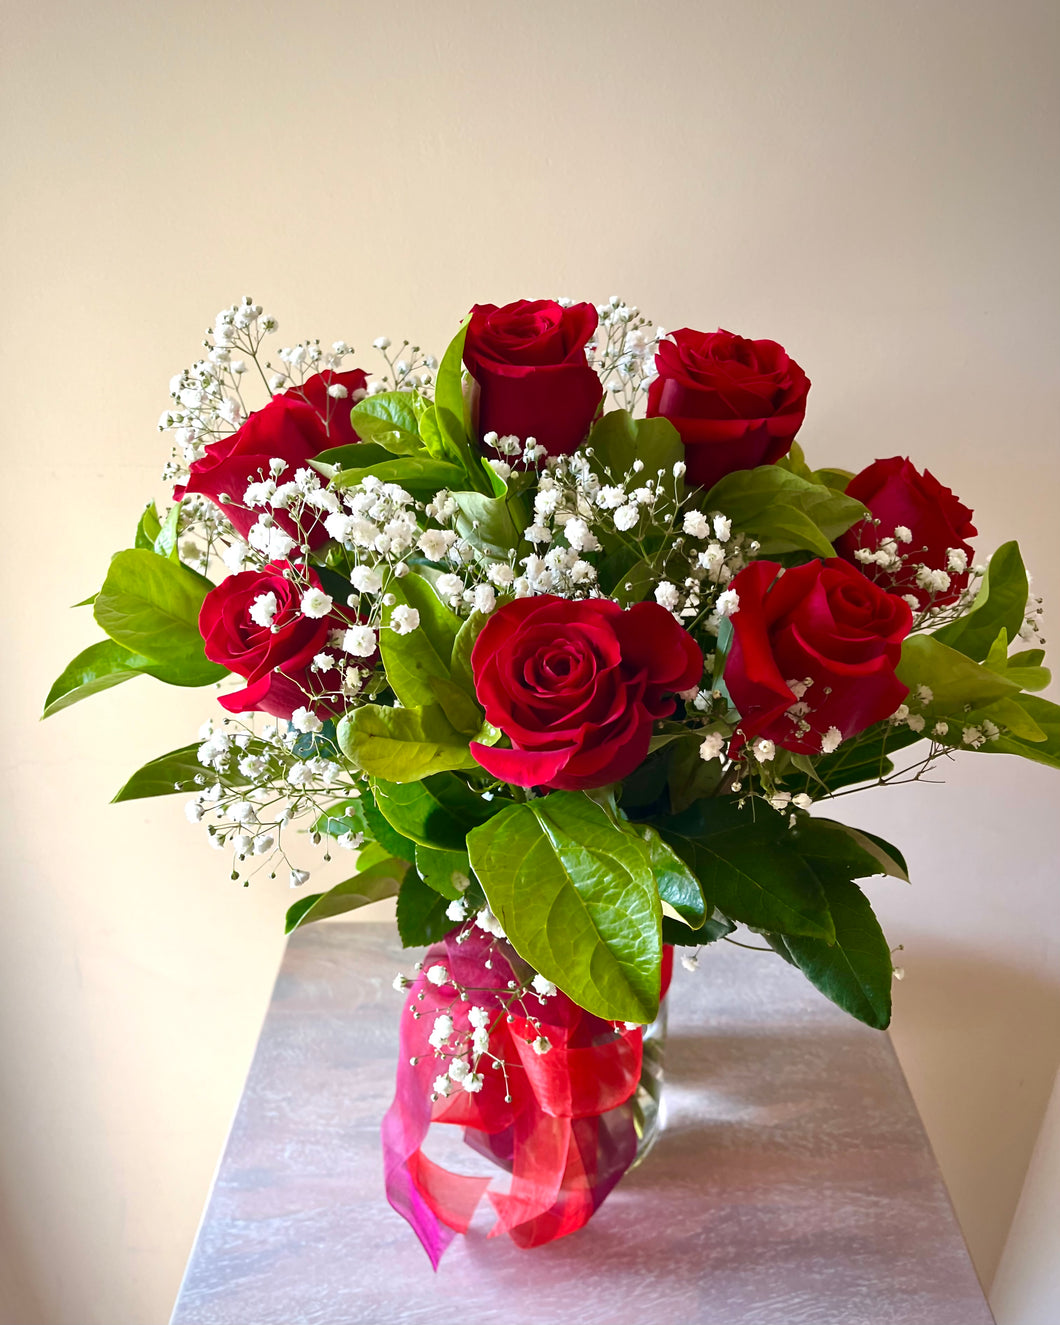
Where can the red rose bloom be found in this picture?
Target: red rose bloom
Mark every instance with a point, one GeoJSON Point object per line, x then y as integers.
{"type": "Point", "coordinates": [253, 624]}
{"type": "Point", "coordinates": [576, 687]}
{"type": "Point", "coordinates": [294, 426]}
{"type": "Point", "coordinates": [899, 497]}
{"type": "Point", "coordinates": [736, 403]}
{"type": "Point", "coordinates": [529, 372]}
{"type": "Point", "coordinates": [814, 648]}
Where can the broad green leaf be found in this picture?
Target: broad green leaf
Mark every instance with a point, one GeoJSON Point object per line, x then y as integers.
{"type": "Point", "coordinates": [837, 479]}
{"type": "Point", "coordinates": [382, 831]}
{"type": "Point", "coordinates": [855, 970]}
{"type": "Point", "coordinates": [489, 523]}
{"type": "Point", "coordinates": [148, 529]}
{"type": "Point", "coordinates": [676, 883]}
{"type": "Point", "coordinates": [617, 440]}
{"type": "Point", "coordinates": [96, 668]}
{"type": "Point", "coordinates": [403, 745]}
{"type": "Point", "coordinates": [460, 663]}
{"type": "Point", "coordinates": [389, 418]}
{"type": "Point", "coordinates": [447, 872]}
{"type": "Point", "coordinates": [784, 512]}
{"type": "Point", "coordinates": [577, 899]}
{"type": "Point", "coordinates": [418, 474]}
{"type": "Point", "coordinates": [748, 866]}
{"type": "Point", "coordinates": [858, 854]}
{"type": "Point", "coordinates": [179, 770]}
{"type": "Point", "coordinates": [437, 812]}
{"type": "Point", "coordinates": [795, 462]}
{"type": "Point", "coordinates": [1046, 717]}
{"type": "Point", "coordinates": [151, 606]}
{"type": "Point", "coordinates": [355, 455]}
{"type": "Point", "coordinates": [345, 817]}
{"type": "Point", "coordinates": [955, 680]}
{"type": "Point", "coordinates": [999, 604]}
{"type": "Point", "coordinates": [690, 777]}
{"type": "Point", "coordinates": [421, 917]}
{"type": "Point", "coordinates": [165, 544]}
{"type": "Point", "coordinates": [370, 885]}
{"type": "Point", "coordinates": [681, 935]}
{"type": "Point", "coordinates": [1027, 675]}
{"type": "Point", "coordinates": [412, 660]}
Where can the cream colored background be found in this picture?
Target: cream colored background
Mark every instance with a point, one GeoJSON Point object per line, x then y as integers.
{"type": "Point", "coordinates": [875, 185]}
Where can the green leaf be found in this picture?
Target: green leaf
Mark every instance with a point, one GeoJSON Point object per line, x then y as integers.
{"type": "Point", "coordinates": [1027, 675]}
{"type": "Point", "coordinates": [679, 934]}
{"type": "Point", "coordinates": [577, 899]}
{"type": "Point", "coordinates": [382, 831]}
{"type": "Point", "coordinates": [749, 867]}
{"type": "Point", "coordinates": [676, 883]}
{"type": "Point", "coordinates": [370, 885]}
{"type": "Point", "coordinates": [403, 745]}
{"type": "Point", "coordinates": [165, 544]}
{"type": "Point", "coordinates": [855, 970]}
{"type": "Point", "coordinates": [956, 682]}
{"type": "Point", "coordinates": [865, 758]}
{"type": "Point", "coordinates": [447, 872]}
{"type": "Point", "coordinates": [460, 663]}
{"type": "Point", "coordinates": [179, 770]}
{"type": "Point", "coordinates": [999, 604]}
{"type": "Point", "coordinates": [421, 917]}
{"type": "Point", "coordinates": [347, 816]}
{"type": "Point", "coordinates": [412, 660]}
{"type": "Point", "coordinates": [417, 474]}
{"type": "Point", "coordinates": [355, 455]}
{"type": "Point", "coordinates": [437, 812]}
{"type": "Point", "coordinates": [617, 440]}
{"type": "Point", "coordinates": [390, 419]}
{"type": "Point", "coordinates": [148, 529]}
{"type": "Point", "coordinates": [96, 668]}
{"type": "Point", "coordinates": [691, 778]}
{"type": "Point", "coordinates": [858, 854]}
{"type": "Point", "coordinates": [489, 523]}
{"type": "Point", "coordinates": [837, 479]}
{"type": "Point", "coordinates": [1046, 717]}
{"type": "Point", "coordinates": [784, 512]}
{"type": "Point", "coordinates": [795, 462]}
{"type": "Point", "coordinates": [151, 606]}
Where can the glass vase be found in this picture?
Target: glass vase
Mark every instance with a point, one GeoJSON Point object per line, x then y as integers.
{"type": "Point", "coordinates": [648, 1111]}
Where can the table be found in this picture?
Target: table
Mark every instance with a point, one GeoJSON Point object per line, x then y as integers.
{"type": "Point", "coordinates": [793, 1183]}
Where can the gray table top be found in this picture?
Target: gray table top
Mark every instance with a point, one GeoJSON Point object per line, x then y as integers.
{"type": "Point", "coordinates": [793, 1183]}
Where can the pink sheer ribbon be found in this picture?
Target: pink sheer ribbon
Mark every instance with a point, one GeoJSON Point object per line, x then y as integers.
{"type": "Point", "coordinates": [566, 1134]}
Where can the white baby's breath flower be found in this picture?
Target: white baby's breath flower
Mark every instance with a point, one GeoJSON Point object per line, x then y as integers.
{"type": "Point", "coordinates": [626, 517]}
{"type": "Point", "coordinates": [668, 595]}
{"type": "Point", "coordinates": [543, 987]}
{"type": "Point", "coordinates": [305, 720]}
{"type": "Point", "coordinates": [359, 641]}
{"type": "Point", "coordinates": [712, 746]}
{"type": "Point", "coordinates": [404, 620]}
{"type": "Point", "coordinates": [298, 877]}
{"type": "Point", "coordinates": [696, 524]}
{"type": "Point", "coordinates": [315, 603]}
{"type": "Point", "coordinates": [763, 749]}
{"type": "Point", "coordinates": [831, 740]}
{"type": "Point", "coordinates": [366, 579]}
{"type": "Point", "coordinates": [722, 528]}
{"type": "Point", "coordinates": [903, 534]}
{"type": "Point", "coordinates": [728, 603]}
{"type": "Point", "coordinates": [437, 974]}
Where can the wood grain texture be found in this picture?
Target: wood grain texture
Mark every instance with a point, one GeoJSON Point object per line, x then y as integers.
{"type": "Point", "coordinates": [793, 1183]}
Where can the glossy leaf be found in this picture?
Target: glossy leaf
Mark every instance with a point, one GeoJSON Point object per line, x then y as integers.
{"type": "Point", "coordinates": [96, 668]}
{"type": "Point", "coordinates": [412, 660]}
{"type": "Point", "coordinates": [447, 872]}
{"type": "Point", "coordinates": [677, 885]}
{"type": "Point", "coordinates": [577, 899]}
{"type": "Point", "coordinates": [855, 970]}
{"type": "Point", "coordinates": [747, 866]}
{"type": "Point", "coordinates": [955, 680]}
{"type": "Point", "coordinates": [421, 917]}
{"type": "Point", "coordinates": [403, 745]}
{"type": "Point", "coordinates": [999, 604]}
{"type": "Point", "coordinates": [419, 474]}
{"type": "Point", "coordinates": [617, 440]}
{"type": "Point", "coordinates": [179, 770]}
{"type": "Point", "coordinates": [784, 512]}
{"type": "Point", "coordinates": [150, 605]}
{"type": "Point", "coordinates": [438, 812]}
{"type": "Point", "coordinates": [370, 885]}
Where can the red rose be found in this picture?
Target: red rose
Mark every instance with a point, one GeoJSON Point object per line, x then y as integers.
{"type": "Point", "coordinates": [736, 403]}
{"type": "Point", "coordinates": [253, 623]}
{"type": "Point", "coordinates": [530, 375]}
{"type": "Point", "coordinates": [814, 648]}
{"type": "Point", "coordinates": [933, 524]}
{"type": "Point", "coordinates": [294, 426]}
{"type": "Point", "coordinates": [576, 687]}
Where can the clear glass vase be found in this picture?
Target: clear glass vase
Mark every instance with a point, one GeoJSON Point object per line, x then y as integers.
{"type": "Point", "coordinates": [648, 1113]}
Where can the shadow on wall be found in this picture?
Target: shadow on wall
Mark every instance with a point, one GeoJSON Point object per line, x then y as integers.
{"type": "Point", "coordinates": [980, 1044]}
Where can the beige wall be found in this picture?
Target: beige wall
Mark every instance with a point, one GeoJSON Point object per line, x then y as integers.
{"type": "Point", "coordinates": [873, 184]}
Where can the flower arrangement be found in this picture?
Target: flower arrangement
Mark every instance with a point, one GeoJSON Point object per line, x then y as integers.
{"type": "Point", "coordinates": [565, 641]}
